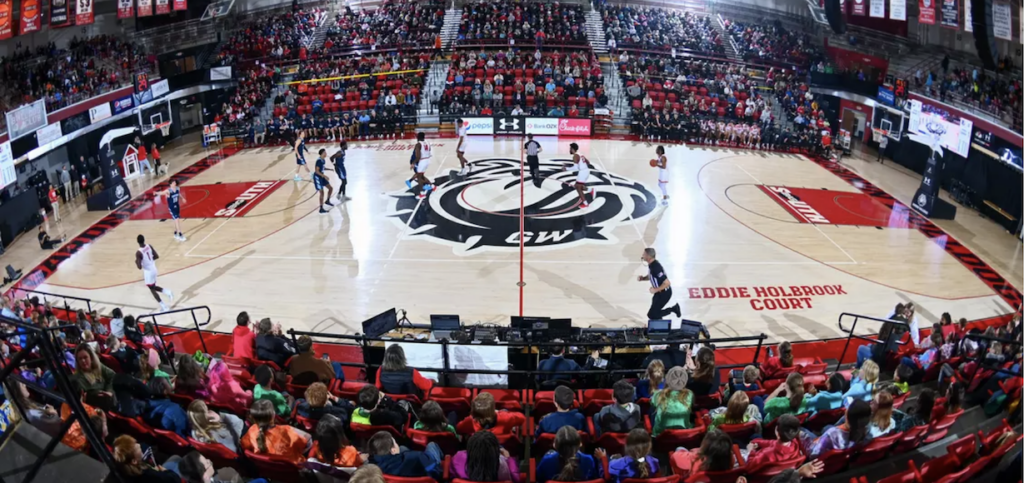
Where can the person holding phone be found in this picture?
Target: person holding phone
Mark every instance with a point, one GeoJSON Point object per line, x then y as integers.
{"type": "Point", "coordinates": [306, 368]}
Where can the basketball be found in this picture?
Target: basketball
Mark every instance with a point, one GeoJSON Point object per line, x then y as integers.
{"type": "Point", "coordinates": [654, 163]}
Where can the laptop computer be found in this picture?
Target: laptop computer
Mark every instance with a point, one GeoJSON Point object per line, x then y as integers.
{"type": "Point", "coordinates": [658, 329]}
{"type": "Point", "coordinates": [442, 326]}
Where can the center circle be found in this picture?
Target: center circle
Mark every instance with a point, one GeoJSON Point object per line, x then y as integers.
{"type": "Point", "coordinates": [481, 193]}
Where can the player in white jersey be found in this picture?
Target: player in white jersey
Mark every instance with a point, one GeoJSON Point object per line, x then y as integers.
{"type": "Point", "coordinates": [420, 161]}
{"type": "Point", "coordinates": [582, 168]}
{"type": "Point", "coordinates": [145, 259]}
{"type": "Point", "coordinates": [662, 164]}
{"type": "Point", "coordinates": [460, 150]}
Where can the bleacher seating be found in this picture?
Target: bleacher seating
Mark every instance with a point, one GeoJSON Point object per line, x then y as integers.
{"type": "Point", "coordinates": [526, 23]}
{"type": "Point", "coordinates": [401, 23]}
{"type": "Point", "coordinates": [659, 29]}
{"type": "Point", "coordinates": [772, 42]}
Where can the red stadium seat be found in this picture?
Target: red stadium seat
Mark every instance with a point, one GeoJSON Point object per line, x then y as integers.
{"type": "Point", "coordinates": [507, 399]}
{"type": "Point", "coordinates": [452, 399]}
{"type": "Point", "coordinates": [819, 420]}
{"type": "Point", "coordinates": [740, 433]}
{"type": "Point", "coordinates": [835, 461]}
{"type": "Point", "coordinates": [935, 468]}
{"type": "Point", "coordinates": [275, 468]}
{"type": "Point", "coordinates": [170, 443]}
{"type": "Point", "coordinates": [964, 448]}
{"type": "Point", "coordinates": [910, 439]}
{"type": "Point", "coordinates": [217, 453]}
{"type": "Point", "coordinates": [875, 450]}
{"type": "Point", "coordinates": [448, 442]}
{"type": "Point", "coordinates": [940, 428]}
{"type": "Point", "coordinates": [764, 472]}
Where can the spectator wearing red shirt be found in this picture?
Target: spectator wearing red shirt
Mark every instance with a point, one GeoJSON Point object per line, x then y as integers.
{"type": "Point", "coordinates": [785, 447]}
{"type": "Point", "coordinates": [395, 377]}
{"type": "Point", "coordinates": [774, 365]}
{"type": "Point", "coordinates": [242, 339]}
{"type": "Point", "coordinates": [484, 416]}
{"type": "Point", "coordinates": [486, 111]}
{"type": "Point", "coordinates": [573, 112]}
{"type": "Point", "coordinates": [53, 202]}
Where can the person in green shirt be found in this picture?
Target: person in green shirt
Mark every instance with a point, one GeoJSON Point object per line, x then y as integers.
{"type": "Point", "coordinates": [672, 404]}
{"type": "Point", "coordinates": [737, 411]}
{"type": "Point", "coordinates": [794, 402]}
{"type": "Point", "coordinates": [432, 419]}
{"type": "Point", "coordinates": [93, 378]}
{"type": "Point", "coordinates": [149, 366]}
{"type": "Point", "coordinates": [264, 377]}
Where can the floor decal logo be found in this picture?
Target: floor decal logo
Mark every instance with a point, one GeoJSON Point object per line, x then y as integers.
{"type": "Point", "coordinates": [221, 200]}
{"type": "Point", "coordinates": [480, 211]}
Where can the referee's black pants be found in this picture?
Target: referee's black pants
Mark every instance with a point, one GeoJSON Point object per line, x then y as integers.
{"type": "Point", "coordinates": [659, 300]}
{"type": "Point", "coordinates": [534, 163]}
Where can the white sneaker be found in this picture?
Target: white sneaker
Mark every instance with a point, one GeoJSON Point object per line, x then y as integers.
{"type": "Point", "coordinates": [163, 307]}
{"type": "Point", "coordinates": [464, 170]}
{"type": "Point", "coordinates": [297, 178]}
{"type": "Point", "coordinates": [181, 237]}
{"type": "Point", "coordinates": [169, 294]}
{"type": "Point", "coordinates": [664, 202]}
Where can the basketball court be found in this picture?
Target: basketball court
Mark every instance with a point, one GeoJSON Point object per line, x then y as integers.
{"type": "Point", "coordinates": [752, 241]}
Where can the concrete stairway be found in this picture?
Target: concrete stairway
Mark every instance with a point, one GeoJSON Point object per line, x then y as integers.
{"type": "Point", "coordinates": [731, 49]}
{"type": "Point", "coordinates": [618, 102]}
{"type": "Point", "coordinates": [450, 29]}
{"type": "Point", "coordinates": [316, 40]}
{"type": "Point", "coordinates": [433, 87]}
{"type": "Point", "coordinates": [595, 32]}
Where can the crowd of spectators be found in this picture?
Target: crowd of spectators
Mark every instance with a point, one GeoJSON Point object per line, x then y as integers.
{"type": "Point", "coordinates": [649, 28]}
{"type": "Point", "coordinates": [86, 68]}
{"type": "Point", "coordinates": [399, 23]}
{"type": "Point", "coordinates": [772, 42]}
{"type": "Point", "coordinates": [999, 95]}
{"type": "Point", "coordinates": [274, 37]}
{"type": "Point", "coordinates": [512, 23]}
{"type": "Point", "coordinates": [520, 82]}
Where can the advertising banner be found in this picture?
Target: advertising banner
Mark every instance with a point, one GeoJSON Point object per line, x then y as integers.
{"type": "Point", "coordinates": [49, 134]}
{"type": "Point", "coordinates": [478, 125]}
{"type": "Point", "coordinates": [161, 88]}
{"type": "Point", "coordinates": [125, 8]}
{"type": "Point", "coordinates": [83, 12]}
{"type": "Point", "coordinates": [123, 104]}
{"type": "Point", "coordinates": [926, 11]}
{"type": "Point", "coordinates": [542, 126]}
{"type": "Point", "coordinates": [8, 174]}
{"type": "Point", "coordinates": [31, 20]}
{"type": "Point", "coordinates": [574, 127]}
{"type": "Point", "coordinates": [509, 125]}
{"type": "Point", "coordinates": [886, 96]}
{"type": "Point", "coordinates": [950, 14]}
{"type": "Point", "coordinates": [99, 113]}
{"type": "Point", "coordinates": [26, 119]}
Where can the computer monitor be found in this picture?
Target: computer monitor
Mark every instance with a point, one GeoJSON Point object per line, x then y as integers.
{"type": "Point", "coordinates": [559, 329]}
{"type": "Point", "coordinates": [444, 323]}
{"type": "Point", "coordinates": [526, 323]}
{"type": "Point", "coordinates": [691, 329]}
{"type": "Point", "coordinates": [659, 326]}
{"type": "Point", "coordinates": [381, 324]}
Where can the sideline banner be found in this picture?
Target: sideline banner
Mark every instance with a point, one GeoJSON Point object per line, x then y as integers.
{"type": "Point", "coordinates": [539, 126]}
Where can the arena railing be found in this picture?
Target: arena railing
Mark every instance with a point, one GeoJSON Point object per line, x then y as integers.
{"type": "Point", "coordinates": [166, 331]}
{"type": "Point", "coordinates": [64, 298]}
{"type": "Point", "coordinates": [43, 340]}
{"type": "Point", "coordinates": [529, 347]}
{"type": "Point", "coordinates": [851, 332]}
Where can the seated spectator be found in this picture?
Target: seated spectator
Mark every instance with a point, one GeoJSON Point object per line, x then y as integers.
{"type": "Point", "coordinates": [902, 376]}
{"type": "Point", "coordinates": [213, 427]}
{"type": "Point", "coordinates": [863, 384]}
{"type": "Point", "coordinates": [622, 416]}
{"type": "Point", "coordinates": [126, 356]}
{"type": "Point", "coordinates": [882, 422]}
{"type": "Point", "coordinates": [225, 389]}
{"type": "Point", "coordinates": [705, 379]}
{"type": "Point", "coordinates": [263, 391]}
{"type": "Point", "coordinates": [671, 406]}
{"type": "Point", "coordinates": [163, 413]}
{"type": "Point", "coordinates": [786, 445]}
{"type": "Point", "coordinates": [775, 365]}
{"type": "Point", "coordinates": [367, 474]}
{"type": "Point", "coordinates": [831, 398]}
{"type": "Point", "coordinates": [331, 445]}
{"type": "Point", "coordinates": [485, 460]}
{"type": "Point", "coordinates": [920, 414]}
{"type": "Point", "coordinates": [306, 368]}
{"type": "Point", "coordinates": [652, 381]}
{"type": "Point", "coordinates": [132, 466]}
{"type": "Point", "coordinates": [432, 419]}
{"type": "Point", "coordinates": [557, 362]}
{"type": "Point", "coordinates": [376, 409]}
{"type": "Point", "coordinates": [271, 345]}
{"type": "Point", "coordinates": [150, 337]}
{"type": "Point", "coordinates": [117, 323]}
{"type": "Point", "coordinates": [93, 378]}
{"type": "Point", "coordinates": [243, 340]}
{"type": "Point", "coordinates": [395, 377]}
{"type": "Point", "coordinates": [483, 416]}
{"type": "Point", "coordinates": [320, 402]}
{"type": "Point", "coordinates": [737, 411]}
{"type": "Point", "coordinates": [565, 414]}
{"type": "Point", "coordinates": [788, 398]}
{"type": "Point", "coordinates": [43, 416]}
{"type": "Point", "coordinates": [637, 462]}
{"type": "Point", "coordinates": [715, 454]}
{"type": "Point", "coordinates": [920, 363]}
{"type": "Point", "coordinates": [566, 462]}
{"type": "Point", "coordinates": [265, 437]}
{"type": "Point", "coordinates": [190, 380]}
{"type": "Point", "coordinates": [195, 468]}
{"type": "Point", "coordinates": [392, 460]}
{"type": "Point", "coordinates": [954, 396]}
{"type": "Point", "coordinates": [851, 432]}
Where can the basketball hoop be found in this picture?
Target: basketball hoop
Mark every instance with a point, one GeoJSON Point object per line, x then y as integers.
{"type": "Point", "coordinates": [878, 134]}
{"type": "Point", "coordinates": [165, 129]}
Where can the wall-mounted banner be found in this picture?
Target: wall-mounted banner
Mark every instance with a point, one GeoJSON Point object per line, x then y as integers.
{"type": "Point", "coordinates": [950, 14]}
{"type": "Point", "coordinates": [877, 8]}
{"type": "Point", "coordinates": [31, 18]}
{"type": "Point", "coordinates": [59, 16]}
{"type": "Point", "coordinates": [160, 88]}
{"type": "Point", "coordinates": [26, 119]}
{"type": "Point", "coordinates": [858, 8]}
{"type": "Point", "coordinates": [163, 7]}
{"type": "Point", "coordinates": [99, 112]}
{"type": "Point", "coordinates": [125, 8]}
{"type": "Point", "coordinates": [926, 11]}
{"type": "Point", "coordinates": [123, 104]}
{"type": "Point", "coordinates": [83, 12]}
{"type": "Point", "coordinates": [898, 10]}
{"type": "Point", "coordinates": [6, 19]}
{"type": "Point", "coordinates": [181, 4]}
{"type": "Point", "coordinates": [145, 8]}
{"type": "Point", "coordinates": [968, 17]}
{"type": "Point", "coordinates": [49, 134]}
{"type": "Point", "coordinates": [1002, 24]}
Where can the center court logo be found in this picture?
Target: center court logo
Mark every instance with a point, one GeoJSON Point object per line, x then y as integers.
{"type": "Point", "coordinates": [481, 211]}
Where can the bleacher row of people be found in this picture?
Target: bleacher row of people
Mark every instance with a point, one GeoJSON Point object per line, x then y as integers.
{"type": "Point", "coordinates": [512, 23]}
{"type": "Point", "coordinates": [209, 399]}
{"type": "Point", "coordinates": [999, 95]}
{"type": "Point", "coordinates": [773, 42]}
{"type": "Point", "coordinates": [401, 23]}
{"type": "Point", "coordinates": [659, 29]}
{"type": "Point", "coordinates": [276, 36]}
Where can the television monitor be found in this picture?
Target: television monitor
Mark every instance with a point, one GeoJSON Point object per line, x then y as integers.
{"type": "Point", "coordinates": [381, 324]}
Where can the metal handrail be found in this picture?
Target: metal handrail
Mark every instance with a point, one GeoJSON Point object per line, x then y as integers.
{"type": "Point", "coordinates": [851, 334]}
{"type": "Point", "coordinates": [140, 321]}
{"type": "Point", "coordinates": [67, 308]}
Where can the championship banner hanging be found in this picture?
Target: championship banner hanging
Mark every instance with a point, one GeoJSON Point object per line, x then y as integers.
{"type": "Point", "coordinates": [145, 8]}
{"type": "Point", "coordinates": [125, 8]}
{"type": "Point", "coordinates": [6, 19]}
{"type": "Point", "coordinates": [30, 18]}
{"type": "Point", "coordinates": [83, 12]}
{"type": "Point", "coordinates": [858, 8]}
{"type": "Point", "coordinates": [181, 4]}
{"type": "Point", "coordinates": [898, 10]}
{"type": "Point", "coordinates": [950, 14]}
{"type": "Point", "coordinates": [968, 17]}
{"type": "Point", "coordinates": [163, 7]}
{"type": "Point", "coordinates": [877, 9]}
{"type": "Point", "coordinates": [59, 13]}
{"type": "Point", "coordinates": [926, 11]}
{"type": "Point", "coordinates": [1002, 24]}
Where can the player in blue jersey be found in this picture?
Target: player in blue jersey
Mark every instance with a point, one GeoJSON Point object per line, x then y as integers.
{"type": "Point", "coordinates": [174, 200]}
{"type": "Point", "coordinates": [300, 154]}
{"type": "Point", "coordinates": [320, 180]}
{"type": "Point", "coordinates": [339, 167]}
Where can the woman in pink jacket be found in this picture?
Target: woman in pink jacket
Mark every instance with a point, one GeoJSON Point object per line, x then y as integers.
{"type": "Point", "coordinates": [224, 389]}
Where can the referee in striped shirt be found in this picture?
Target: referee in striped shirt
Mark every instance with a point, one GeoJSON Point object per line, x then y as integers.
{"type": "Point", "coordinates": [532, 150]}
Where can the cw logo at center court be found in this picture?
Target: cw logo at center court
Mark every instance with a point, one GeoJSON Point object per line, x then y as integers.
{"type": "Point", "coordinates": [481, 211]}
